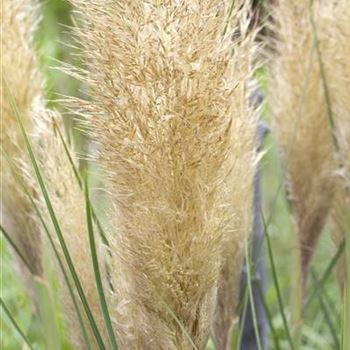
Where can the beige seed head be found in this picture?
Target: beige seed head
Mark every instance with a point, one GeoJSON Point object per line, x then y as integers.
{"type": "Point", "coordinates": [301, 117]}
{"type": "Point", "coordinates": [21, 79]}
{"type": "Point", "coordinates": [169, 109]}
{"type": "Point", "coordinates": [337, 57]}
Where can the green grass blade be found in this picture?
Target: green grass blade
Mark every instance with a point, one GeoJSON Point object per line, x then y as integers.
{"type": "Point", "coordinates": [276, 284]}
{"type": "Point", "coordinates": [80, 182]}
{"type": "Point", "coordinates": [268, 316]}
{"type": "Point", "coordinates": [243, 307]}
{"type": "Point", "coordinates": [343, 331]}
{"type": "Point", "coordinates": [94, 215]}
{"type": "Point", "coordinates": [53, 246]}
{"type": "Point", "coordinates": [326, 314]}
{"type": "Point", "coordinates": [346, 333]}
{"type": "Point", "coordinates": [17, 250]}
{"type": "Point", "coordinates": [15, 325]}
{"type": "Point", "coordinates": [65, 275]}
{"type": "Point", "coordinates": [55, 222]}
{"type": "Point", "coordinates": [99, 285]}
{"type": "Point", "coordinates": [46, 230]}
{"type": "Point", "coordinates": [251, 298]}
{"type": "Point", "coordinates": [321, 282]}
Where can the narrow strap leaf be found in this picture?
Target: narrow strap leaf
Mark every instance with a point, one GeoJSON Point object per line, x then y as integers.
{"type": "Point", "coordinates": [17, 250]}
{"type": "Point", "coordinates": [55, 222]}
{"type": "Point", "coordinates": [65, 275]}
{"type": "Point", "coordinates": [99, 285]}
{"type": "Point", "coordinates": [276, 284]}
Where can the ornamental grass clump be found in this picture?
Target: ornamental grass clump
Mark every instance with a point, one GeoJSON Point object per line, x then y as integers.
{"type": "Point", "coordinates": [21, 86]}
{"type": "Point", "coordinates": [170, 111]}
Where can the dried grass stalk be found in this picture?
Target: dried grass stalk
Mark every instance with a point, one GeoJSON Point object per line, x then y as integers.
{"type": "Point", "coordinates": [301, 119]}
{"type": "Point", "coordinates": [169, 108]}
{"type": "Point", "coordinates": [19, 77]}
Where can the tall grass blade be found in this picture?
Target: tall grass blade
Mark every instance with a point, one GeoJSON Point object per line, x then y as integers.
{"type": "Point", "coordinates": [17, 250]}
{"type": "Point", "coordinates": [268, 317]}
{"type": "Point", "coordinates": [251, 298]}
{"type": "Point", "coordinates": [61, 265]}
{"type": "Point", "coordinates": [15, 325]}
{"type": "Point", "coordinates": [65, 275]}
{"type": "Point", "coordinates": [99, 285]}
{"type": "Point", "coordinates": [276, 284]}
{"type": "Point", "coordinates": [326, 314]}
{"type": "Point", "coordinates": [55, 223]}
{"type": "Point", "coordinates": [243, 305]}
{"type": "Point", "coordinates": [242, 310]}
{"type": "Point", "coordinates": [80, 182]}
{"type": "Point", "coordinates": [346, 328]}
{"type": "Point", "coordinates": [325, 276]}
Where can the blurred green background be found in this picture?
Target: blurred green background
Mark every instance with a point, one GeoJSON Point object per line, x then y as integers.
{"type": "Point", "coordinates": [53, 41]}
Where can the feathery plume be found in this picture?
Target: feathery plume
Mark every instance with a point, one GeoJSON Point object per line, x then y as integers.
{"type": "Point", "coordinates": [338, 68]}
{"type": "Point", "coordinates": [68, 203]}
{"type": "Point", "coordinates": [21, 79]}
{"type": "Point", "coordinates": [170, 111]}
{"type": "Point", "coordinates": [301, 118]}
{"type": "Point", "coordinates": [240, 194]}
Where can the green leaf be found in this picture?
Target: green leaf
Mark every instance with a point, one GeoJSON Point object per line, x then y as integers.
{"type": "Point", "coordinates": [276, 284]}
{"type": "Point", "coordinates": [55, 222]}
{"type": "Point", "coordinates": [17, 250]}
{"type": "Point", "coordinates": [251, 298]}
{"type": "Point", "coordinates": [53, 246]}
{"type": "Point", "coordinates": [95, 263]}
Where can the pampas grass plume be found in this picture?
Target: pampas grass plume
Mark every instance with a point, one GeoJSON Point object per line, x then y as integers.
{"type": "Point", "coordinates": [20, 77]}
{"type": "Point", "coordinates": [169, 109]}
{"type": "Point", "coordinates": [301, 120]}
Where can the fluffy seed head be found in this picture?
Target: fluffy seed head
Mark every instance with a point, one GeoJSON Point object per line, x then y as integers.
{"type": "Point", "coordinates": [301, 117]}
{"type": "Point", "coordinates": [337, 57]}
{"type": "Point", "coordinates": [170, 111]}
{"type": "Point", "coordinates": [21, 79]}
